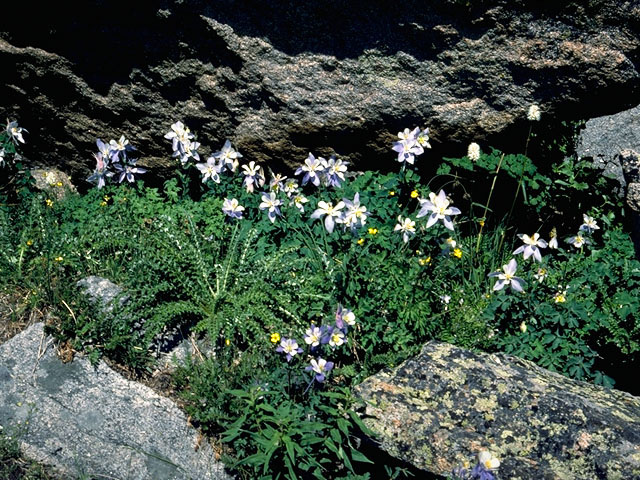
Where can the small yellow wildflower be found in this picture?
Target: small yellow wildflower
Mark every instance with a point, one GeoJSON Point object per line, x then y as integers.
{"type": "Point", "coordinates": [103, 204]}
{"type": "Point", "coordinates": [227, 342]}
{"type": "Point", "coordinates": [457, 253]}
{"type": "Point", "coordinates": [481, 223]}
{"type": "Point", "coordinates": [418, 252]}
{"type": "Point", "coordinates": [360, 241]}
{"type": "Point", "coordinates": [29, 243]}
{"type": "Point", "coordinates": [49, 202]}
{"type": "Point", "coordinates": [560, 297]}
{"type": "Point", "coordinates": [414, 194]}
{"type": "Point", "coordinates": [107, 198]}
{"type": "Point", "coordinates": [58, 259]}
{"type": "Point", "coordinates": [373, 231]}
{"type": "Point", "coordinates": [424, 261]}
{"type": "Point", "coordinates": [275, 337]}
{"type": "Point", "coordinates": [392, 193]}
{"type": "Point", "coordinates": [58, 184]}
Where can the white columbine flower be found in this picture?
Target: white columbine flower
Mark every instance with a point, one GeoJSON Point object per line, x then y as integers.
{"type": "Point", "coordinates": [337, 338]}
{"type": "Point", "coordinates": [232, 208]}
{"type": "Point", "coordinates": [298, 201]}
{"type": "Point", "coordinates": [253, 176]}
{"type": "Point", "coordinates": [531, 246]}
{"type": "Point", "coordinates": [540, 275]}
{"type": "Point", "coordinates": [312, 169]}
{"type": "Point", "coordinates": [332, 213]}
{"type": "Point", "coordinates": [578, 241]}
{"type": "Point", "coordinates": [407, 227]}
{"type": "Point", "coordinates": [589, 224]}
{"type": "Point", "coordinates": [473, 152]}
{"type": "Point", "coordinates": [120, 144]}
{"type": "Point", "coordinates": [488, 461]}
{"type": "Point", "coordinates": [228, 156]}
{"type": "Point", "coordinates": [356, 214]}
{"type": "Point", "coordinates": [507, 277]}
{"type": "Point", "coordinates": [210, 170]}
{"type": "Point", "coordinates": [312, 336]}
{"type": "Point", "coordinates": [534, 113]}
{"type": "Point", "coordinates": [15, 132]}
{"type": "Point", "coordinates": [439, 207]}
{"type": "Point", "coordinates": [270, 202]}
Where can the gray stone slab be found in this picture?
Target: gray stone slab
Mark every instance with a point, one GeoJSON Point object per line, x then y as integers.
{"type": "Point", "coordinates": [447, 404]}
{"type": "Point", "coordinates": [604, 138]}
{"type": "Point", "coordinates": [86, 420]}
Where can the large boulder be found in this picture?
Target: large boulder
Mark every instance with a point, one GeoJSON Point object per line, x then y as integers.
{"type": "Point", "coordinates": [87, 420]}
{"type": "Point", "coordinates": [437, 410]}
{"type": "Point", "coordinates": [283, 78]}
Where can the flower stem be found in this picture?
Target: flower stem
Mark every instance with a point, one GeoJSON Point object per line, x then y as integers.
{"type": "Point", "coordinates": [486, 207]}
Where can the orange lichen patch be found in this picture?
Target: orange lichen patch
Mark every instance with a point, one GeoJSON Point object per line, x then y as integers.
{"type": "Point", "coordinates": [583, 441]}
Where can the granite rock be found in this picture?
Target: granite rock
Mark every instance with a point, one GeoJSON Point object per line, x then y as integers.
{"type": "Point", "coordinates": [86, 420]}
{"type": "Point", "coordinates": [284, 78]}
{"type": "Point", "coordinates": [447, 404]}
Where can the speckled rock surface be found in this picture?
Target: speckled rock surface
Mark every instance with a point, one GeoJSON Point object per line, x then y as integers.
{"type": "Point", "coordinates": [282, 78]}
{"type": "Point", "coordinates": [605, 138]}
{"type": "Point", "coordinates": [447, 404]}
{"type": "Point", "coordinates": [86, 420]}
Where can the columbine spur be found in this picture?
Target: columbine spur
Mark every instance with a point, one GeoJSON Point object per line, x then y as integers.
{"type": "Point", "coordinates": [439, 209]}
{"type": "Point", "coordinates": [507, 277]}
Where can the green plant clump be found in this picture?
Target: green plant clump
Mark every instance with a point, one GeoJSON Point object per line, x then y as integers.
{"type": "Point", "coordinates": [298, 288]}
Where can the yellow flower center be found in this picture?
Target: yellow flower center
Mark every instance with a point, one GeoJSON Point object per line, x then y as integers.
{"type": "Point", "coordinates": [414, 194]}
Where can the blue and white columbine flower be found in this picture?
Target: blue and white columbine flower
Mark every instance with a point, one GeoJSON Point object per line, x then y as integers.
{"type": "Point", "coordinates": [344, 316]}
{"type": "Point", "coordinates": [232, 208]}
{"type": "Point", "coordinates": [332, 214]}
{"type": "Point", "coordinates": [321, 367]}
{"type": "Point", "coordinates": [127, 170]}
{"type": "Point", "coordinates": [210, 170]}
{"type": "Point", "coordinates": [179, 134]}
{"type": "Point", "coordinates": [578, 241]}
{"type": "Point", "coordinates": [298, 201]}
{"type": "Point", "coordinates": [290, 187]}
{"type": "Point", "coordinates": [407, 227]}
{"type": "Point", "coordinates": [438, 208]}
{"type": "Point", "coordinates": [507, 277]}
{"type": "Point", "coordinates": [532, 246]}
{"type": "Point", "coordinates": [313, 336]}
{"type": "Point", "coordinates": [272, 204]}
{"type": "Point", "coordinates": [355, 215]}
{"type": "Point", "coordinates": [336, 338]}
{"type": "Point", "coordinates": [312, 169]}
{"type": "Point", "coordinates": [334, 170]}
{"type": "Point", "coordinates": [15, 132]}
{"type": "Point", "coordinates": [100, 174]}
{"type": "Point", "coordinates": [289, 347]}
{"type": "Point", "coordinates": [253, 176]}
{"type": "Point", "coordinates": [589, 224]}
{"type": "Point", "coordinates": [228, 156]}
